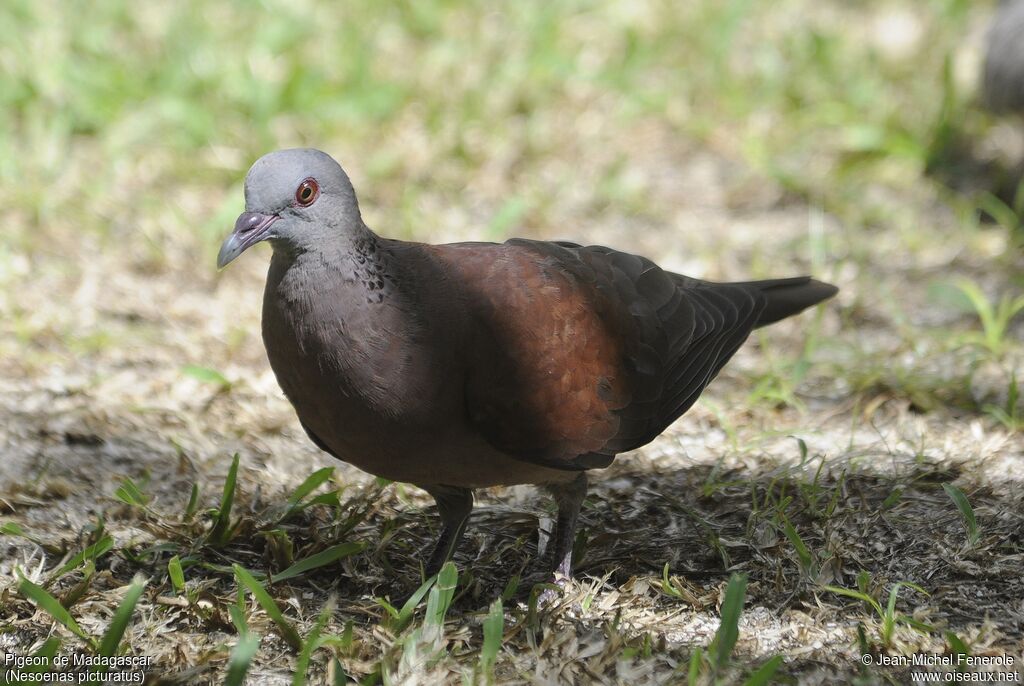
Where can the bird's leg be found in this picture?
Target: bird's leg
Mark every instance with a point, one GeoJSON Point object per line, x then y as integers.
{"type": "Point", "coordinates": [569, 498]}
{"type": "Point", "coordinates": [454, 505]}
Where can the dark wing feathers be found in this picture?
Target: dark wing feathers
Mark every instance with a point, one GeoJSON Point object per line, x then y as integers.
{"type": "Point", "coordinates": [647, 343]}
{"type": "Point", "coordinates": [723, 317]}
{"type": "Point", "coordinates": [786, 297]}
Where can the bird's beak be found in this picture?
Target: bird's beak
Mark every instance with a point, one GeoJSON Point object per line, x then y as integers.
{"type": "Point", "coordinates": [250, 229]}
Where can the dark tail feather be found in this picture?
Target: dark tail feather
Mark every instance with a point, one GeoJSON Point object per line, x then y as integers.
{"type": "Point", "coordinates": [786, 297]}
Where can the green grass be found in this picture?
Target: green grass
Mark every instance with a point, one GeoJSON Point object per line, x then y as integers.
{"type": "Point", "coordinates": [712, 665]}
{"type": "Point", "coordinates": [110, 643]}
{"type": "Point", "coordinates": [125, 132]}
{"type": "Point", "coordinates": [438, 593]}
{"type": "Point", "coordinates": [966, 511]}
{"type": "Point", "coordinates": [196, 93]}
{"type": "Point", "coordinates": [887, 615]}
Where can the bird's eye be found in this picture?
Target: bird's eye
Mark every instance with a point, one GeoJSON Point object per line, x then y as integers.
{"type": "Point", "coordinates": [307, 192]}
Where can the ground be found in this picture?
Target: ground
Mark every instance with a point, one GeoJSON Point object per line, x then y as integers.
{"type": "Point", "coordinates": [726, 141]}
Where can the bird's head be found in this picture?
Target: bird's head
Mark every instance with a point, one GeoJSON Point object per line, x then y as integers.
{"type": "Point", "coordinates": [292, 198]}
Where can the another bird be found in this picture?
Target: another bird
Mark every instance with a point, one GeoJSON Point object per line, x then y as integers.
{"type": "Point", "coordinates": [467, 365]}
{"type": "Point", "coordinates": [1002, 87]}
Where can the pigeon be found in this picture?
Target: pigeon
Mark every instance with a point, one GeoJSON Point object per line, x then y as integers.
{"type": "Point", "coordinates": [1002, 87]}
{"type": "Point", "coordinates": [470, 365]}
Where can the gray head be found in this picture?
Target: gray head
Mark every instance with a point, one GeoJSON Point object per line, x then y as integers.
{"type": "Point", "coordinates": [296, 199]}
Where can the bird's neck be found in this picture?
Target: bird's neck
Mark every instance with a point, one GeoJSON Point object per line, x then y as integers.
{"type": "Point", "coordinates": [335, 320]}
{"type": "Point", "coordinates": [347, 265]}
{"type": "Point", "coordinates": [337, 290]}
{"type": "Point", "coordinates": [335, 246]}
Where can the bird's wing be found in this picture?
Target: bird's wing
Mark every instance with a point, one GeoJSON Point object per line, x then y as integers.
{"type": "Point", "coordinates": [684, 331]}
{"type": "Point", "coordinates": [584, 352]}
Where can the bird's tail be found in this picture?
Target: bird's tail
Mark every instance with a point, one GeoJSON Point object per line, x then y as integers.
{"type": "Point", "coordinates": [787, 297]}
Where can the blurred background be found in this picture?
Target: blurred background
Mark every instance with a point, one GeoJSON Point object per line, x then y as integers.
{"type": "Point", "coordinates": [727, 139]}
{"type": "Point", "coordinates": [135, 124]}
{"type": "Point", "coordinates": [724, 139]}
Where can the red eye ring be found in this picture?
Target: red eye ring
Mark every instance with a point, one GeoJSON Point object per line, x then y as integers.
{"type": "Point", "coordinates": [307, 192]}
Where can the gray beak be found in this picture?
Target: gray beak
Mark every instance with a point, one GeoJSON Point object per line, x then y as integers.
{"type": "Point", "coordinates": [250, 229]}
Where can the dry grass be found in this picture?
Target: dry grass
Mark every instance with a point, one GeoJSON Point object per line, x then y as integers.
{"type": "Point", "coordinates": [892, 388]}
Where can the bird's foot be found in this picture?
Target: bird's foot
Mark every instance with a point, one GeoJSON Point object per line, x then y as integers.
{"type": "Point", "coordinates": [556, 587]}
{"type": "Point", "coordinates": [556, 579]}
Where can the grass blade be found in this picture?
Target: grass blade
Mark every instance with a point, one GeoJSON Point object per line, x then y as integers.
{"type": "Point", "coordinates": [222, 527]}
{"type": "Point", "coordinates": [12, 529]}
{"type": "Point", "coordinates": [241, 658]}
{"type": "Point", "coordinates": [130, 494]}
{"type": "Point", "coordinates": [693, 673]}
{"type": "Point", "coordinates": [511, 587]}
{"type": "Point", "coordinates": [193, 503]}
{"type": "Point", "coordinates": [388, 607]}
{"type": "Point", "coordinates": [895, 590]}
{"type": "Point", "coordinates": [966, 511]}
{"type": "Point", "coordinates": [312, 643]}
{"type": "Point", "coordinates": [328, 498]}
{"type": "Point", "coordinates": [668, 587]}
{"type": "Point", "coordinates": [176, 574]}
{"type": "Point", "coordinates": [335, 552]}
{"type": "Point", "coordinates": [52, 606]}
{"type": "Point", "coordinates": [957, 646]}
{"type": "Point", "coordinates": [340, 678]}
{"type": "Point", "coordinates": [439, 602]}
{"type": "Point", "coordinates": [112, 638]}
{"type": "Point", "coordinates": [920, 627]}
{"type": "Point", "coordinates": [47, 652]}
{"type": "Point", "coordinates": [400, 619]}
{"type": "Point", "coordinates": [764, 673]}
{"type": "Point", "coordinates": [206, 375]}
{"type": "Point", "coordinates": [728, 631]}
{"type": "Point", "coordinates": [312, 482]}
{"type": "Point", "coordinates": [803, 553]}
{"type": "Point", "coordinates": [288, 632]}
{"type": "Point", "coordinates": [237, 612]}
{"type": "Point", "coordinates": [494, 626]}
{"type": "Point", "coordinates": [857, 595]}
{"type": "Point", "coordinates": [93, 552]}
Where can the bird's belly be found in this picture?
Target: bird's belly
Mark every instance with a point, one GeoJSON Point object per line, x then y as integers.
{"type": "Point", "coordinates": [404, 424]}
{"type": "Point", "coordinates": [453, 458]}
{"type": "Point", "coordinates": [441, 448]}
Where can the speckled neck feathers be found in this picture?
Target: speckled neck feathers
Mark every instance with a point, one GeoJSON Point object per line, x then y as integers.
{"type": "Point", "coordinates": [337, 325]}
